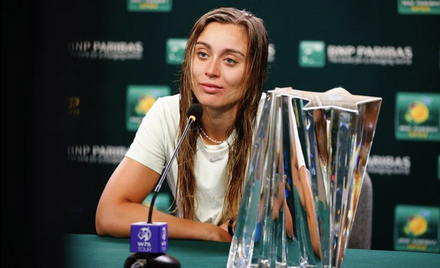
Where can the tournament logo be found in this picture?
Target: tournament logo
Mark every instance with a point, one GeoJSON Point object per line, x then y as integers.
{"type": "Point", "coordinates": [418, 7]}
{"type": "Point", "coordinates": [416, 225]}
{"type": "Point", "coordinates": [312, 54]}
{"type": "Point", "coordinates": [149, 5]}
{"type": "Point", "coordinates": [417, 116]}
{"type": "Point", "coordinates": [416, 228]}
{"type": "Point", "coordinates": [139, 100]}
{"type": "Point", "coordinates": [175, 50]}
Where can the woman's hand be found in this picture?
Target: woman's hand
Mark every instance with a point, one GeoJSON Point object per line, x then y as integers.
{"type": "Point", "coordinates": [220, 233]}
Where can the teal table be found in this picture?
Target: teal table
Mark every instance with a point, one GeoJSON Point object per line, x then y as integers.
{"type": "Point", "coordinates": [92, 251]}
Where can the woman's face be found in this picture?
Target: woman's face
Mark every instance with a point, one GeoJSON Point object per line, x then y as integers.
{"type": "Point", "coordinates": [219, 65]}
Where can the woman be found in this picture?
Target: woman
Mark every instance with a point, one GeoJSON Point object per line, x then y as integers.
{"type": "Point", "coordinates": [224, 70]}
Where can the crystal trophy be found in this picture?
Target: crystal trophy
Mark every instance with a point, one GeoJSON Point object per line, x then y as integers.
{"type": "Point", "coordinates": [304, 179]}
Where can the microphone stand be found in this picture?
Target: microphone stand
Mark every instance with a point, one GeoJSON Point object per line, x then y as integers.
{"type": "Point", "coordinates": [167, 169]}
{"type": "Point", "coordinates": [162, 259]}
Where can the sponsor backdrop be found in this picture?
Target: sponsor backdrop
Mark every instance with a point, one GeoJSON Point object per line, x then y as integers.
{"type": "Point", "coordinates": [100, 65]}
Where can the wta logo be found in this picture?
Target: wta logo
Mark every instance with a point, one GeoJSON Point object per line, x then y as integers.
{"type": "Point", "coordinates": [144, 234]}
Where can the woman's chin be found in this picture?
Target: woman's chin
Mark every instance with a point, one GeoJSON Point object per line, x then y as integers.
{"type": "Point", "coordinates": [210, 101]}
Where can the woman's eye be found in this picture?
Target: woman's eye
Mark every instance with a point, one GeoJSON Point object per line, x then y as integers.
{"type": "Point", "coordinates": [202, 54]}
{"type": "Point", "coordinates": [230, 61]}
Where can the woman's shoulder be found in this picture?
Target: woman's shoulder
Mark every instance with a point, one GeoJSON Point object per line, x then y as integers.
{"type": "Point", "coordinates": [170, 100]}
{"type": "Point", "coordinates": [166, 109]}
{"type": "Point", "coordinates": [168, 104]}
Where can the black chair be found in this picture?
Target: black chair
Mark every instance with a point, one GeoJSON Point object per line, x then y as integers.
{"type": "Point", "coordinates": [360, 236]}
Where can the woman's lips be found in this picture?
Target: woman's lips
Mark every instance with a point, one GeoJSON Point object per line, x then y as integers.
{"type": "Point", "coordinates": [210, 88]}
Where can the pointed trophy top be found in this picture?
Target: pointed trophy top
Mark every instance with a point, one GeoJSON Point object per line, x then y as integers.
{"type": "Point", "coordinates": [337, 98]}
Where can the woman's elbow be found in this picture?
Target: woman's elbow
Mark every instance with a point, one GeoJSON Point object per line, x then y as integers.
{"type": "Point", "coordinates": [100, 227]}
{"type": "Point", "coordinates": [101, 223]}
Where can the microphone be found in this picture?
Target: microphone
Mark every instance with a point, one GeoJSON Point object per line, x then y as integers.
{"type": "Point", "coordinates": [149, 240]}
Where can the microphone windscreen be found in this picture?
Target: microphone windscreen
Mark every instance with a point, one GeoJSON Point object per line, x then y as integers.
{"type": "Point", "coordinates": [195, 110]}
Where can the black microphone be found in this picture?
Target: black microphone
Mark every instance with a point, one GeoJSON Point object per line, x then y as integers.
{"type": "Point", "coordinates": [194, 113]}
{"type": "Point", "coordinates": [149, 240]}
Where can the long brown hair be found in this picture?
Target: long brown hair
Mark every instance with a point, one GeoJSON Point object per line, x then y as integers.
{"type": "Point", "coordinates": [254, 79]}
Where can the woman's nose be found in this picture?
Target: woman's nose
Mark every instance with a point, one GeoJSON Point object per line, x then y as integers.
{"type": "Point", "coordinates": [213, 68]}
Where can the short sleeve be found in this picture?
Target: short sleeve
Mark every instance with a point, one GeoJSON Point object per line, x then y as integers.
{"type": "Point", "coordinates": [148, 146]}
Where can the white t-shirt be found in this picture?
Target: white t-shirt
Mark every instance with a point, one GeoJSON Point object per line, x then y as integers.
{"type": "Point", "coordinates": [155, 142]}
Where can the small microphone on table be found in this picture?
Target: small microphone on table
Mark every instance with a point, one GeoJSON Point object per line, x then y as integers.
{"type": "Point", "coordinates": [149, 240]}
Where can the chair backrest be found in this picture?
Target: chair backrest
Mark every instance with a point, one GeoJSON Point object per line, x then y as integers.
{"type": "Point", "coordinates": [360, 236]}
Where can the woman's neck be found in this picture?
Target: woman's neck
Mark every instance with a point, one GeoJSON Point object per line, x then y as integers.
{"type": "Point", "coordinates": [217, 123]}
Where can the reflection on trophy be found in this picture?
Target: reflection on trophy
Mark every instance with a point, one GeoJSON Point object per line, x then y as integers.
{"type": "Point", "coordinates": [304, 179]}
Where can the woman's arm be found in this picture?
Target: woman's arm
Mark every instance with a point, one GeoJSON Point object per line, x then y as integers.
{"type": "Point", "coordinates": [120, 205]}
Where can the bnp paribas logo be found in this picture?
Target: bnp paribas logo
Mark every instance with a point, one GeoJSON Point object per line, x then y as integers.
{"type": "Point", "coordinates": [416, 228]}
{"type": "Point", "coordinates": [175, 51]}
{"type": "Point", "coordinates": [312, 54]}
{"type": "Point", "coordinates": [140, 98]}
{"type": "Point", "coordinates": [417, 116]}
{"type": "Point", "coordinates": [149, 5]}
